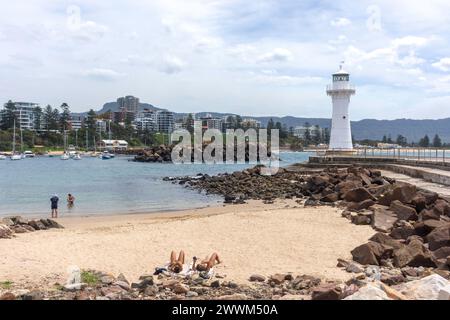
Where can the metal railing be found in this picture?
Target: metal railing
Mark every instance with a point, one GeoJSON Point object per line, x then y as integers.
{"type": "Point", "coordinates": [415, 154]}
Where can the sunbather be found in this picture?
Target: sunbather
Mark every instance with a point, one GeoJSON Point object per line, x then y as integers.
{"type": "Point", "coordinates": [207, 263]}
{"type": "Point", "coordinates": [176, 265]}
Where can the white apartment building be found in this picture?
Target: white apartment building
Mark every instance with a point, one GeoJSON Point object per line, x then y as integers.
{"type": "Point", "coordinates": [25, 114]}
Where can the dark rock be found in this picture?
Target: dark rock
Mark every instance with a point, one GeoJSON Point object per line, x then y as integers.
{"type": "Point", "coordinates": [442, 253]}
{"type": "Point", "coordinates": [430, 197]}
{"type": "Point", "coordinates": [326, 292]}
{"type": "Point", "coordinates": [37, 225]}
{"type": "Point", "coordinates": [33, 295]}
{"type": "Point", "coordinates": [278, 278]}
{"type": "Point", "coordinates": [345, 186]}
{"type": "Point", "coordinates": [358, 195]}
{"type": "Point", "coordinates": [385, 239]}
{"type": "Point", "coordinates": [402, 232]}
{"type": "Point", "coordinates": [403, 192]}
{"type": "Point", "coordinates": [402, 211]}
{"type": "Point", "coordinates": [392, 279]}
{"type": "Point", "coordinates": [5, 232]}
{"type": "Point", "coordinates": [439, 237]}
{"type": "Point", "coordinates": [413, 255]}
{"type": "Point", "coordinates": [442, 207]}
{"type": "Point", "coordinates": [429, 214]}
{"type": "Point", "coordinates": [19, 229]}
{"type": "Point", "coordinates": [419, 202]}
{"type": "Point", "coordinates": [332, 197]}
{"type": "Point", "coordinates": [369, 253]}
{"type": "Point", "coordinates": [383, 220]}
{"type": "Point", "coordinates": [357, 206]}
{"type": "Point", "coordinates": [362, 218]}
{"type": "Point", "coordinates": [257, 278]}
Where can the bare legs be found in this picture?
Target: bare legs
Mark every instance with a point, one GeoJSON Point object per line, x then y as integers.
{"type": "Point", "coordinates": [176, 265]}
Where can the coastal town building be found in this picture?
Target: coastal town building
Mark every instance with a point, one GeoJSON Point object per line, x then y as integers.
{"type": "Point", "coordinates": [340, 91]}
{"type": "Point", "coordinates": [113, 145]}
{"type": "Point", "coordinates": [302, 131]}
{"type": "Point", "coordinates": [164, 121]}
{"type": "Point", "coordinates": [146, 121]}
{"type": "Point", "coordinates": [210, 122]}
{"type": "Point", "coordinates": [128, 104]}
{"type": "Point", "coordinates": [101, 125]}
{"type": "Point", "coordinates": [76, 122]}
{"type": "Point", "coordinates": [123, 116]}
{"type": "Point", "coordinates": [25, 114]}
{"type": "Point", "coordinates": [251, 123]}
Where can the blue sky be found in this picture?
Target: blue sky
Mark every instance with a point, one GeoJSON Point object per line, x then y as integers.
{"type": "Point", "coordinates": [249, 57]}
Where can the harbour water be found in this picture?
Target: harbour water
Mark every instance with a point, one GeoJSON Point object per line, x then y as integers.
{"type": "Point", "coordinates": [105, 187]}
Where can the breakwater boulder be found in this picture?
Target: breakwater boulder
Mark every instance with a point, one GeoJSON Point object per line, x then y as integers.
{"type": "Point", "coordinates": [163, 153]}
{"type": "Point", "coordinates": [17, 224]}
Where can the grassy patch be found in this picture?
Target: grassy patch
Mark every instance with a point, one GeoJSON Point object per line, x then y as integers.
{"type": "Point", "coordinates": [6, 284]}
{"type": "Point", "coordinates": [89, 278]}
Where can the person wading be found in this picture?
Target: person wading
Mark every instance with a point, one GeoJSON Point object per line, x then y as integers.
{"type": "Point", "coordinates": [54, 205]}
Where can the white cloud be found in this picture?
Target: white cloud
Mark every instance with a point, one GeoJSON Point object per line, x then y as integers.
{"type": "Point", "coordinates": [340, 22]}
{"type": "Point", "coordinates": [171, 64]}
{"type": "Point", "coordinates": [276, 55]}
{"type": "Point", "coordinates": [443, 64]}
{"type": "Point", "coordinates": [80, 29]}
{"type": "Point", "coordinates": [102, 74]}
{"type": "Point", "coordinates": [410, 41]}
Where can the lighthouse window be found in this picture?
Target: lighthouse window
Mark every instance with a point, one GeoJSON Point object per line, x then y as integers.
{"type": "Point", "coordinates": [341, 78]}
{"type": "Point", "coordinates": [344, 117]}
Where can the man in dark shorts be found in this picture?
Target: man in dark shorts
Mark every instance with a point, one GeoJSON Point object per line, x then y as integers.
{"type": "Point", "coordinates": [54, 202]}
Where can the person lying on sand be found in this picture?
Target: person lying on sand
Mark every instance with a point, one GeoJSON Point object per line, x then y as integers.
{"type": "Point", "coordinates": [207, 263]}
{"type": "Point", "coordinates": [176, 265]}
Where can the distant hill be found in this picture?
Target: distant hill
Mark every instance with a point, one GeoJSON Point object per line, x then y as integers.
{"type": "Point", "coordinates": [413, 130]}
{"type": "Point", "coordinates": [113, 106]}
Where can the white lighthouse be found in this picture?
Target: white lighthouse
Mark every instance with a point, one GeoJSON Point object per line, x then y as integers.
{"type": "Point", "coordinates": [340, 91]}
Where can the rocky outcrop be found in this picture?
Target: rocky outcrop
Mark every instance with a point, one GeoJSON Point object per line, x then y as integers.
{"type": "Point", "coordinates": [17, 224]}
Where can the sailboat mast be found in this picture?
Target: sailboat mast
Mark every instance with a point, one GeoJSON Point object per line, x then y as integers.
{"type": "Point", "coordinates": [14, 138]}
{"type": "Point", "coordinates": [21, 141]}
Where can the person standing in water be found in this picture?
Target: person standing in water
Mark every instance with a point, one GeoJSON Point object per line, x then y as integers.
{"type": "Point", "coordinates": [54, 205]}
{"type": "Point", "coordinates": [70, 201]}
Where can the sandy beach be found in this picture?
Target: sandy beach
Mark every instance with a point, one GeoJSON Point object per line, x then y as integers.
{"type": "Point", "coordinates": [250, 238]}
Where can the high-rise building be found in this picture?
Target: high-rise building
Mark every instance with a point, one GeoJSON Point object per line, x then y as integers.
{"type": "Point", "coordinates": [146, 121]}
{"type": "Point", "coordinates": [128, 104]}
{"type": "Point", "coordinates": [76, 122]}
{"type": "Point", "coordinates": [164, 121]}
{"type": "Point", "coordinates": [210, 122]}
{"type": "Point", "coordinates": [25, 114]}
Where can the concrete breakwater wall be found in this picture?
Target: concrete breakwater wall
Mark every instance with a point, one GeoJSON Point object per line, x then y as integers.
{"type": "Point", "coordinates": [435, 172]}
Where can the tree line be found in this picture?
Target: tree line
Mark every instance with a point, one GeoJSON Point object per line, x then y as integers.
{"type": "Point", "coordinates": [424, 142]}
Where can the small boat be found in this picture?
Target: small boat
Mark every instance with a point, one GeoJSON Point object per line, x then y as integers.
{"type": "Point", "coordinates": [16, 157]}
{"type": "Point", "coordinates": [106, 155]}
{"type": "Point", "coordinates": [65, 156]}
{"type": "Point", "coordinates": [2, 157]}
{"type": "Point", "coordinates": [29, 154]}
{"type": "Point", "coordinates": [77, 157]}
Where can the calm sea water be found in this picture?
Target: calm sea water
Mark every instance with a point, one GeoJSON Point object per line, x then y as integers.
{"type": "Point", "coordinates": [104, 186]}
